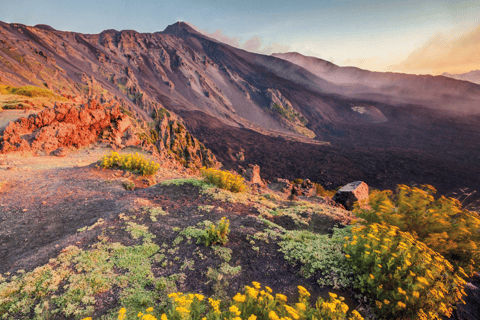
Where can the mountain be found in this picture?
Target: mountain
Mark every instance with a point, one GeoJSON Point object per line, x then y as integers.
{"type": "Point", "coordinates": [472, 76]}
{"type": "Point", "coordinates": [301, 118]}
{"type": "Point", "coordinates": [436, 92]}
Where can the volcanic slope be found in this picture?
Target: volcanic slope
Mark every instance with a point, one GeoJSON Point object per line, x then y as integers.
{"type": "Point", "coordinates": [384, 128]}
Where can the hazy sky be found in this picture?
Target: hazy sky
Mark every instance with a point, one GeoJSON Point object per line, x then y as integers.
{"type": "Point", "coordinates": [407, 36]}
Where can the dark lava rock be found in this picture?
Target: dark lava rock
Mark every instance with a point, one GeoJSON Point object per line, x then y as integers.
{"type": "Point", "coordinates": [349, 193]}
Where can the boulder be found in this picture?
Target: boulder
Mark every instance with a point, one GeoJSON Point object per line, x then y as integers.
{"type": "Point", "coordinates": [282, 185]}
{"type": "Point", "coordinates": [349, 193]}
{"type": "Point", "coordinates": [252, 174]}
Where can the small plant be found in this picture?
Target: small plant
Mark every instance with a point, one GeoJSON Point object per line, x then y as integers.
{"type": "Point", "coordinates": [131, 162]}
{"type": "Point", "coordinates": [441, 224]}
{"type": "Point", "coordinates": [320, 191]}
{"type": "Point", "coordinates": [223, 179]}
{"type": "Point", "coordinates": [214, 234]}
{"type": "Point", "coordinates": [297, 181]}
{"type": "Point", "coordinates": [405, 278]}
{"type": "Point", "coordinates": [129, 185]}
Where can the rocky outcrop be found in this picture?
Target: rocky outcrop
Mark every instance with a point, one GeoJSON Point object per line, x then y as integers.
{"type": "Point", "coordinates": [349, 193]}
{"type": "Point", "coordinates": [170, 135]}
{"type": "Point", "coordinates": [306, 188]}
{"type": "Point", "coordinates": [67, 126]}
{"type": "Point", "coordinates": [252, 175]}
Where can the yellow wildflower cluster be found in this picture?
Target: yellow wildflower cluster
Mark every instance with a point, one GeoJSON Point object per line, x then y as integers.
{"type": "Point", "coordinates": [224, 179]}
{"type": "Point", "coordinates": [256, 303]}
{"type": "Point", "coordinates": [440, 223]}
{"type": "Point", "coordinates": [404, 276]}
{"type": "Point", "coordinates": [214, 234]}
{"type": "Point", "coordinates": [131, 162]}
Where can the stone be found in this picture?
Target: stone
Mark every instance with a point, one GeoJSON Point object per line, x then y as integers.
{"type": "Point", "coordinates": [350, 193]}
{"type": "Point", "coordinates": [252, 175]}
{"type": "Point", "coordinates": [282, 185]}
{"type": "Point", "coordinates": [60, 152]}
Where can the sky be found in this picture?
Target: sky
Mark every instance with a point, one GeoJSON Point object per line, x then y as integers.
{"type": "Point", "coordinates": [412, 36]}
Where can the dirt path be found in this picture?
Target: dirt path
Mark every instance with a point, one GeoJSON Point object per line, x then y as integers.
{"type": "Point", "coordinates": [45, 199]}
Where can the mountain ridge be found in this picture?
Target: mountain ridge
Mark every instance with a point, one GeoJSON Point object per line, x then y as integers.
{"type": "Point", "coordinates": [271, 99]}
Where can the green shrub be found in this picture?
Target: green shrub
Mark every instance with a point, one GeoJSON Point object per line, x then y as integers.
{"type": "Point", "coordinates": [131, 162]}
{"type": "Point", "coordinates": [27, 91]}
{"type": "Point", "coordinates": [405, 278]}
{"type": "Point", "coordinates": [441, 224]}
{"type": "Point", "coordinates": [256, 303]}
{"type": "Point", "coordinates": [297, 181]}
{"type": "Point", "coordinates": [223, 179]}
{"type": "Point", "coordinates": [214, 234]}
{"type": "Point", "coordinates": [320, 191]}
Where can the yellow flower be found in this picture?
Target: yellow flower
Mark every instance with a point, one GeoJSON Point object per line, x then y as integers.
{"type": "Point", "coordinates": [89, 318]}
{"type": "Point", "coordinates": [164, 317]}
{"type": "Point", "coordinates": [269, 290]}
{"type": "Point", "coordinates": [378, 304]}
{"type": "Point", "coordinates": [281, 297]}
{"type": "Point", "coordinates": [415, 294]}
{"type": "Point", "coordinates": [386, 302]}
{"type": "Point", "coordinates": [256, 285]}
{"type": "Point", "coordinates": [372, 276]}
{"type": "Point", "coordinates": [234, 310]}
{"type": "Point", "coordinates": [150, 309]}
{"type": "Point", "coordinates": [273, 316]}
{"type": "Point", "coordinates": [348, 256]}
{"type": "Point", "coordinates": [332, 295]}
{"type": "Point", "coordinates": [199, 297]}
{"type": "Point", "coordinates": [139, 314]}
{"type": "Point", "coordinates": [401, 304]}
{"type": "Point", "coordinates": [301, 306]}
{"type": "Point", "coordinates": [344, 308]}
{"type": "Point", "coordinates": [292, 312]}
{"type": "Point", "coordinates": [252, 317]}
{"type": "Point", "coordinates": [239, 298]}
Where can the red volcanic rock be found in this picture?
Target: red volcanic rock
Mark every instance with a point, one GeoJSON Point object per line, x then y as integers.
{"type": "Point", "coordinates": [67, 126]}
{"type": "Point", "coordinates": [252, 175]}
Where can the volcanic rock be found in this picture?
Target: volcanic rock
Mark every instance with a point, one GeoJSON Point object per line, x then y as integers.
{"type": "Point", "coordinates": [252, 174]}
{"type": "Point", "coordinates": [66, 126]}
{"type": "Point", "coordinates": [282, 185]}
{"type": "Point", "coordinates": [350, 193]}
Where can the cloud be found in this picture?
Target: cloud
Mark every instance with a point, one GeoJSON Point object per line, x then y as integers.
{"type": "Point", "coordinates": [440, 54]}
{"type": "Point", "coordinates": [254, 44]}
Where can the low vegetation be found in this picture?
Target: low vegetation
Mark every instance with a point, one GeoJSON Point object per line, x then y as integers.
{"type": "Point", "coordinates": [224, 179]}
{"type": "Point", "coordinates": [132, 162]}
{"type": "Point", "coordinates": [404, 277]}
{"type": "Point", "coordinates": [26, 97]}
{"type": "Point", "coordinates": [28, 91]}
{"type": "Point", "coordinates": [256, 303]}
{"type": "Point", "coordinates": [441, 224]}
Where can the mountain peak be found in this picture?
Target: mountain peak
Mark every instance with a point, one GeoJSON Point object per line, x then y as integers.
{"type": "Point", "coordinates": [180, 28]}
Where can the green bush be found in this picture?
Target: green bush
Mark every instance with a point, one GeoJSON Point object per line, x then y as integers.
{"type": "Point", "coordinates": [405, 278]}
{"type": "Point", "coordinates": [214, 234]}
{"type": "Point", "coordinates": [223, 179]}
{"type": "Point", "coordinates": [297, 181]}
{"type": "Point", "coordinates": [131, 162]}
{"type": "Point", "coordinates": [27, 91]}
{"type": "Point", "coordinates": [320, 190]}
{"type": "Point", "coordinates": [441, 224]}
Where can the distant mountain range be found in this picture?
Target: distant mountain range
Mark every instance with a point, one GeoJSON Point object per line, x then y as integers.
{"type": "Point", "coordinates": [472, 76]}
{"type": "Point", "coordinates": [295, 116]}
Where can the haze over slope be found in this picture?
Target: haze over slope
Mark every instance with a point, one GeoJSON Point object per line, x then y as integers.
{"type": "Point", "coordinates": [384, 128]}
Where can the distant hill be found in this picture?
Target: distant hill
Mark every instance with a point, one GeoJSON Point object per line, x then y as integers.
{"type": "Point", "coordinates": [472, 76]}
